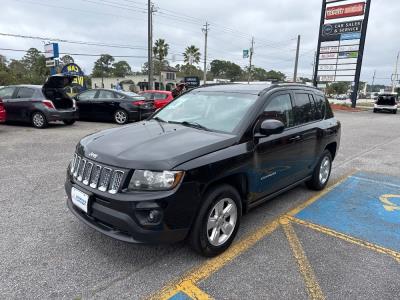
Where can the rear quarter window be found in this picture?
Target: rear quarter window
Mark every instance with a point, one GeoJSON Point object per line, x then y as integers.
{"type": "Point", "coordinates": [25, 92]}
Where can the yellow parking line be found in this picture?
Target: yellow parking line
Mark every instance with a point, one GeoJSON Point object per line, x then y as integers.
{"type": "Point", "coordinates": [212, 265]}
{"type": "Point", "coordinates": [345, 237]}
{"type": "Point", "coordinates": [311, 282]}
{"type": "Point", "coordinates": [193, 291]}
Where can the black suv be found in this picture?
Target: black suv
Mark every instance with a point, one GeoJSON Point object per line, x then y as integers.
{"type": "Point", "coordinates": [198, 164]}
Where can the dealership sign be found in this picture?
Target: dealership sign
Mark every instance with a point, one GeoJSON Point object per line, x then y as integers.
{"type": "Point", "coordinates": [341, 40]}
{"type": "Point", "coordinates": [345, 11]}
{"type": "Point", "coordinates": [334, 31]}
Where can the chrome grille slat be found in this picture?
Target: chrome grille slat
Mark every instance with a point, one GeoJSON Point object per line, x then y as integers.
{"type": "Point", "coordinates": [97, 176]}
{"type": "Point", "coordinates": [81, 169]}
{"type": "Point", "coordinates": [116, 180]}
{"type": "Point", "coordinates": [104, 179]}
{"type": "Point", "coordinates": [87, 172]}
{"type": "Point", "coordinates": [76, 168]}
{"type": "Point", "coordinates": [94, 179]}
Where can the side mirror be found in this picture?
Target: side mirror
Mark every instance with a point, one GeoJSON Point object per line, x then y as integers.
{"type": "Point", "coordinates": [270, 127]}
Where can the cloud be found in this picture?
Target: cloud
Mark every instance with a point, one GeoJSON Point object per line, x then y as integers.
{"type": "Point", "coordinates": [274, 24]}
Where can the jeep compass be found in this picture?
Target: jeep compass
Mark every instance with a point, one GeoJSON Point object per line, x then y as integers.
{"type": "Point", "coordinates": [197, 165]}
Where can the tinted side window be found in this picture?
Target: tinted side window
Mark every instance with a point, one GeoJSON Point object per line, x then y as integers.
{"type": "Point", "coordinates": [303, 109]}
{"type": "Point", "coordinates": [106, 95]}
{"type": "Point", "coordinates": [25, 93]}
{"type": "Point", "coordinates": [7, 92]}
{"type": "Point", "coordinates": [89, 95]}
{"type": "Point", "coordinates": [280, 108]}
{"type": "Point", "coordinates": [319, 107]}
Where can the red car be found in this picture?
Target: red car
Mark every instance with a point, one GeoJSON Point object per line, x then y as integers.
{"type": "Point", "coordinates": [2, 112]}
{"type": "Point", "coordinates": [161, 98]}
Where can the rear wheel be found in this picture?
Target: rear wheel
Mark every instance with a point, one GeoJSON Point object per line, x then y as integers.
{"type": "Point", "coordinates": [38, 120]}
{"type": "Point", "coordinates": [375, 111]}
{"type": "Point", "coordinates": [321, 173]}
{"type": "Point", "coordinates": [395, 111]}
{"type": "Point", "coordinates": [69, 122]}
{"type": "Point", "coordinates": [121, 117]}
{"type": "Point", "coordinates": [218, 221]}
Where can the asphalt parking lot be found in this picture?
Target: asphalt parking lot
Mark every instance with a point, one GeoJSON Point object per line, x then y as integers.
{"type": "Point", "coordinates": [343, 243]}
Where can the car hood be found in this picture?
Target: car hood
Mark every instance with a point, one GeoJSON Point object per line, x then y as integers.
{"type": "Point", "coordinates": [151, 145]}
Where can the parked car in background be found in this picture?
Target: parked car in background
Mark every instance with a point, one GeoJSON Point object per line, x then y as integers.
{"type": "Point", "coordinates": [161, 98]}
{"type": "Point", "coordinates": [40, 105]}
{"type": "Point", "coordinates": [386, 102]}
{"type": "Point", "coordinates": [193, 168]}
{"type": "Point", "coordinates": [2, 112]}
{"type": "Point", "coordinates": [111, 105]}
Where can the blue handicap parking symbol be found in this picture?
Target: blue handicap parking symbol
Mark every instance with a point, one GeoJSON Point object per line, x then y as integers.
{"type": "Point", "coordinates": [180, 296]}
{"type": "Point", "coordinates": [365, 206]}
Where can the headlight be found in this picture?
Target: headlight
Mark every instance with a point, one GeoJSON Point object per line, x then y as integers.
{"type": "Point", "coordinates": [154, 181]}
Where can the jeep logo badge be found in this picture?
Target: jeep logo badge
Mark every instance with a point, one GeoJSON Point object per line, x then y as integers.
{"type": "Point", "coordinates": [92, 155]}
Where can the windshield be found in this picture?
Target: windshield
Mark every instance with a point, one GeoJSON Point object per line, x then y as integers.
{"type": "Point", "coordinates": [386, 100]}
{"type": "Point", "coordinates": [214, 111]}
{"type": "Point", "coordinates": [130, 94]}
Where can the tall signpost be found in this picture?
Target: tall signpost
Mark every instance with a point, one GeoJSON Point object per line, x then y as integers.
{"type": "Point", "coordinates": [341, 42]}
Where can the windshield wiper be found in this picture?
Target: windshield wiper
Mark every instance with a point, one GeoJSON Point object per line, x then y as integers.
{"type": "Point", "coordinates": [159, 119]}
{"type": "Point", "coordinates": [194, 125]}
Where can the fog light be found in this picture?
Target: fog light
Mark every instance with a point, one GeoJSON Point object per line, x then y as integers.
{"type": "Point", "coordinates": [154, 216]}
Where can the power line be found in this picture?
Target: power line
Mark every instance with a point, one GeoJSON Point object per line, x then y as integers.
{"type": "Point", "coordinates": [76, 54]}
{"type": "Point", "coordinates": [73, 42]}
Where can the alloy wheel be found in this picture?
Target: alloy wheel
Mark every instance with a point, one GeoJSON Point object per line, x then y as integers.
{"type": "Point", "coordinates": [38, 120]}
{"type": "Point", "coordinates": [324, 170]}
{"type": "Point", "coordinates": [221, 221]}
{"type": "Point", "coordinates": [120, 117]}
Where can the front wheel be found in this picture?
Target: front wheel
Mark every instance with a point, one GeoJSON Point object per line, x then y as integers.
{"type": "Point", "coordinates": [69, 122]}
{"type": "Point", "coordinates": [218, 221]}
{"type": "Point", "coordinates": [121, 117]}
{"type": "Point", "coordinates": [321, 173]}
{"type": "Point", "coordinates": [38, 120]}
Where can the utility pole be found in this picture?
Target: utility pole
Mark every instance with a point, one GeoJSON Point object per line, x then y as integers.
{"type": "Point", "coordinates": [150, 8]}
{"type": "Point", "coordinates": [395, 76]}
{"type": "Point", "coordinates": [373, 82]}
{"type": "Point", "coordinates": [250, 59]}
{"type": "Point", "coordinates": [313, 65]}
{"type": "Point", "coordinates": [205, 30]}
{"type": "Point", "coordinates": [296, 63]}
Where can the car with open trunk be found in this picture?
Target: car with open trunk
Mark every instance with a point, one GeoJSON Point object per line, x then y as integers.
{"type": "Point", "coordinates": [40, 105]}
{"type": "Point", "coordinates": [197, 165]}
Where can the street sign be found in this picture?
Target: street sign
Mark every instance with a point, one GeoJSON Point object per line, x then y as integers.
{"type": "Point", "coordinates": [50, 63]}
{"type": "Point", "coordinates": [246, 53]}
{"type": "Point", "coordinates": [192, 81]}
{"type": "Point", "coordinates": [51, 50]}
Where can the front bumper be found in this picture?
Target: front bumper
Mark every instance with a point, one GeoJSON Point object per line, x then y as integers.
{"type": "Point", "coordinates": [123, 216]}
{"type": "Point", "coordinates": [62, 115]}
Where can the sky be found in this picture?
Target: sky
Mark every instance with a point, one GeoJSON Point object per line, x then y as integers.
{"type": "Point", "coordinates": [274, 24]}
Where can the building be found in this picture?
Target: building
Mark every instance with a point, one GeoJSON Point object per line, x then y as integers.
{"type": "Point", "coordinates": [136, 83]}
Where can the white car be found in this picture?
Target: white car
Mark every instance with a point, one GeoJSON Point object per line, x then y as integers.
{"type": "Point", "coordinates": [386, 102]}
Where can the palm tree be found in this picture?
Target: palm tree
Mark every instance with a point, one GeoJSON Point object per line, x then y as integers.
{"type": "Point", "coordinates": [160, 51]}
{"type": "Point", "coordinates": [191, 55]}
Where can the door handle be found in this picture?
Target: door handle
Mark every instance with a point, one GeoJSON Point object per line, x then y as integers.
{"type": "Point", "coordinates": [295, 139]}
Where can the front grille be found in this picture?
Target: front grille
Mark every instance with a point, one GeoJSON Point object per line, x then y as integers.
{"type": "Point", "coordinates": [96, 175]}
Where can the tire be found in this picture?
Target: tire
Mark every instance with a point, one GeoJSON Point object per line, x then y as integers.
{"type": "Point", "coordinates": [121, 117]}
{"type": "Point", "coordinates": [39, 120]}
{"type": "Point", "coordinates": [216, 200]}
{"type": "Point", "coordinates": [69, 122]}
{"type": "Point", "coordinates": [321, 173]}
{"type": "Point", "coordinates": [395, 111]}
{"type": "Point", "coordinates": [375, 111]}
